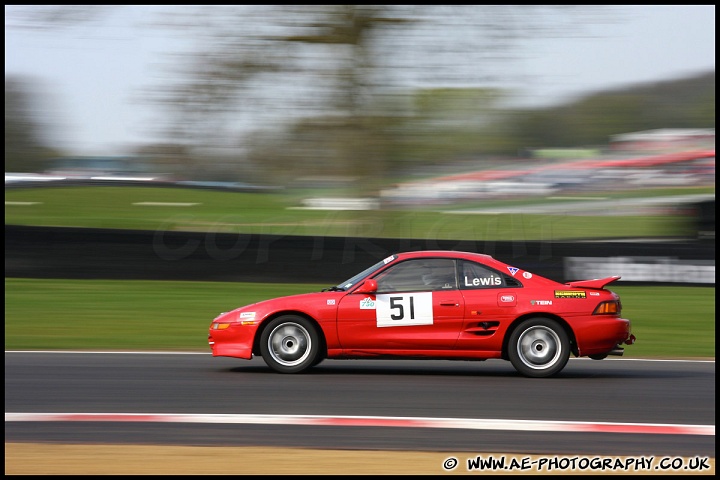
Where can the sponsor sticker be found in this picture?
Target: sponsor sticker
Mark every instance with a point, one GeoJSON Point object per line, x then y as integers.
{"type": "Point", "coordinates": [331, 301]}
{"type": "Point", "coordinates": [569, 294]}
{"type": "Point", "coordinates": [513, 270]}
{"type": "Point", "coordinates": [507, 298]}
{"type": "Point", "coordinates": [389, 259]}
{"type": "Point", "coordinates": [367, 303]}
{"type": "Point", "coordinates": [247, 314]}
{"type": "Point", "coordinates": [527, 275]}
{"type": "Point", "coordinates": [540, 302]}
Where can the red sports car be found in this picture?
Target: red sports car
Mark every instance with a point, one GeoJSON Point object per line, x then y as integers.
{"type": "Point", "coordinates": [434, 305]}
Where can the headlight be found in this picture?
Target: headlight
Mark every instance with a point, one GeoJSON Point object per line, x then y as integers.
{"type": "Point", "coordinates": [224, 320]}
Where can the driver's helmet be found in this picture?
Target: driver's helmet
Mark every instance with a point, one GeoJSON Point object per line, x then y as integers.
{"type": "Point", "coordinates": [435, 274]}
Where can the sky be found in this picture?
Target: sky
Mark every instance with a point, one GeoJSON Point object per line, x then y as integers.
{"type": "Point", "coordinates": [91, 77]}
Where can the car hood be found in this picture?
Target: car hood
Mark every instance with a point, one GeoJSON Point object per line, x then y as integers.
{"type": "Point", "coordinates": [299, 297]}
{"type": "Point", "coordinates": [297, 301]}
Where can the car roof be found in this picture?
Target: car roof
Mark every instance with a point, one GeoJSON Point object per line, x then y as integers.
{"type": "Point", "coordinates": [443, 253]}
{"type": "Point", "coordinates": [483, 258]}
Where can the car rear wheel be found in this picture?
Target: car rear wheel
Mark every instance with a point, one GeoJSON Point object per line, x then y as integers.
{"type": "Point", "coordinates": [290, 344]}
{"type": "Point", "coordinates": [539, 347]}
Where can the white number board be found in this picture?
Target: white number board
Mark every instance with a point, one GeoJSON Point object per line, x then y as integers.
{"type": "Point", "coordinates": [404, 309]}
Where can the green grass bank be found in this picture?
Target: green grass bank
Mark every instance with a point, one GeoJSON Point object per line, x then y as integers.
{"type": "Point", "coordinates": [668, 321]}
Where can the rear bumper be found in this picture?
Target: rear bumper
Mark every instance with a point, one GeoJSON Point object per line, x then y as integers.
{"type": "Point", "coordinates": [600, 335]}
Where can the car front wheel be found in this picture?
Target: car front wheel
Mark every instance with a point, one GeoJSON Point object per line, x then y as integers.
{"type": "Point", "coordinates": [290, 344]}
{"type": "Point", "coordinates": [539, 347]}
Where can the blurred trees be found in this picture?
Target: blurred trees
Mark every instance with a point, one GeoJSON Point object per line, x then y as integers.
{"type": "Point", "coordinates": [353, 91]}
{"type": "Point", "coordinates": [361, 93]}
{"type": "Point", "coordinates": [591, 120]}
{"type": "Point", "coordinates": [26, 150]}
{"type": "Point", "coordinates": [280, 92]}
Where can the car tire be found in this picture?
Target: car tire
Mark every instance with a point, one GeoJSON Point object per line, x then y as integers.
{"type": "Point", "coordinates": [539, 347]}
{"type": "Point", "coordinates": [290, 344]}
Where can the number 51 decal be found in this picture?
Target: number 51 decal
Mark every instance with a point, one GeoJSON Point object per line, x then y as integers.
{"type": "Point", "coordinates": [398, 310]}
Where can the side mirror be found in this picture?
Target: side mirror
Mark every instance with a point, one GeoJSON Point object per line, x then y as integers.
{"type": "Point", "coordinates": [369, 286]}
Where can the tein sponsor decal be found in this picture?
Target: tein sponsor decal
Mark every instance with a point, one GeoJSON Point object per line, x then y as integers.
{"type": "Point", "coordinates": [569, 294]}
{"type": "Point", "coordinates": [540, 302]}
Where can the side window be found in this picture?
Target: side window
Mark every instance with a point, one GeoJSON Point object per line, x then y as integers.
{"type": "Point", "coordinates": [419, 275]}
{"type": "Point", "coordinates": [476, 276]}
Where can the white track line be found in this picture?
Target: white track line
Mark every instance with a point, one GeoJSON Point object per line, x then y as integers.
{"type": "Point", "coordinates": [165, 204]}
{"type": "Point", "coordinates": [368, 421]}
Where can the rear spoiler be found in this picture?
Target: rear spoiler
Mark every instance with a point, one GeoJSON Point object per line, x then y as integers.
{"type": "Point", "coordinates": [597, 283]}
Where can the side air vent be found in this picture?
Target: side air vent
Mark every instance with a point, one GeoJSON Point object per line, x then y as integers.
{"type": "Point", "coordinates": [483, 329]}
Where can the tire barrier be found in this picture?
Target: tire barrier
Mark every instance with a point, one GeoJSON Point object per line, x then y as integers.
{"type": "Point", "coordinates": [74, 253]}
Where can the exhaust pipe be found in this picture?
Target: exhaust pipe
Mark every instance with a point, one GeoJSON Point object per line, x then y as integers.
{"type": "Point", "coordinates": [617, 351]}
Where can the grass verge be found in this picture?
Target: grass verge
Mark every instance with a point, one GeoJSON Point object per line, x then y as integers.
{"type": "Point", "coordinates": [669, 322]}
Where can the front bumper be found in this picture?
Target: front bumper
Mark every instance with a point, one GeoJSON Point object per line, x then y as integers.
{"type": "Point", "coordinates": [234, 341]}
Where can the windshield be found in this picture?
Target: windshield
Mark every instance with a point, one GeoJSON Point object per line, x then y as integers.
{"type": "Point", "coordinates": [352, 281]}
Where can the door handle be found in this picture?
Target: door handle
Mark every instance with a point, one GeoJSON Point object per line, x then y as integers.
{"type": "Point", "coordinates": [449, 304]}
